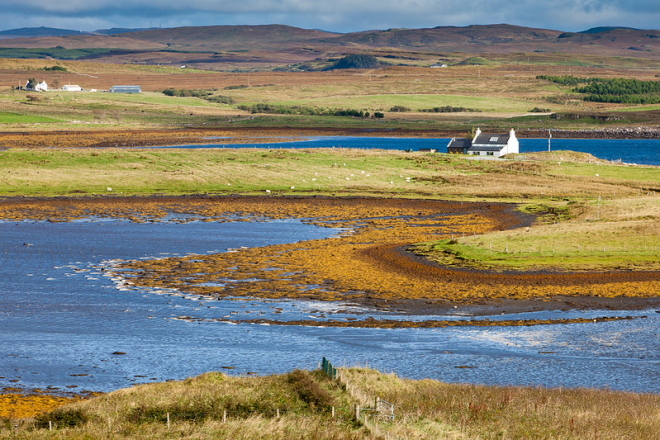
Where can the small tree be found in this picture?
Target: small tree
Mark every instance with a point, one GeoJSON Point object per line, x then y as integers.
{"type": "Point", "coordinates": [31, 84]}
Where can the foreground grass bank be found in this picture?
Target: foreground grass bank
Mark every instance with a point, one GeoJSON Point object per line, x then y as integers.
{"type": "Point", "coordinates": [304, 404]}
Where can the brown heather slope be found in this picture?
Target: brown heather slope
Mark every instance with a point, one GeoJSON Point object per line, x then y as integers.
{"type": "Point", "coordinates": [282, 45]}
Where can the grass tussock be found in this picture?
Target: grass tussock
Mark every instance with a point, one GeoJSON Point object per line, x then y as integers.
{"type": "Point", "coordinates": [423, 409]}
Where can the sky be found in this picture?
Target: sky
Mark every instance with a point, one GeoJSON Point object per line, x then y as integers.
{"type": "Point", "coordinates": [329, 15]}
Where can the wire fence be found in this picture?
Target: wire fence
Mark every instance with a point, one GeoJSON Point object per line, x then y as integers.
{"type": "Point", "coordinates": [369, 411]}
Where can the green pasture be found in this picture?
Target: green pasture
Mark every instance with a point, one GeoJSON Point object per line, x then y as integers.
{"type": "Point", "coordinates": [17, 118]}
{"type": "Point", "coordinates": [416, 102]}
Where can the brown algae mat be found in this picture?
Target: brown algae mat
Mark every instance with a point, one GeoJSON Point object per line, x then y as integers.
{"type": "Point", "coordinates": [16, 403]}
{"type": "Point", "coordinates": [366, 264]}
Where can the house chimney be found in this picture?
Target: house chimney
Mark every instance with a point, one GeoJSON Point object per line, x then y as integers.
{"type": "Point", "coordinates": [476, 134]}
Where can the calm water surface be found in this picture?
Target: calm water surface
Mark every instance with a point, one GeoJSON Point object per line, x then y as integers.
{"type": "Point", "coordinates": [639, 151]}
{"type": "Point", "coordinates": [67, 321]}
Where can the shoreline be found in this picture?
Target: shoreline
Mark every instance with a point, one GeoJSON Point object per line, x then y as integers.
{"type": "Point", "coordinates": [382, 257]}
{"type": "Point", "coordinates": [121, 138]}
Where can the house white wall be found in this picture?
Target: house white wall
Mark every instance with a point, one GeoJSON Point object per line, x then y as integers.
{"type": "Point", "coordinates": [513, 146]}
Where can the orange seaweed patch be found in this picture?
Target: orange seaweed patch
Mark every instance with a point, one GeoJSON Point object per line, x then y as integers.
{"type": "Point", "coordinates": [367, 263]}
{"type": "Point", "coordinates": [18, 405]}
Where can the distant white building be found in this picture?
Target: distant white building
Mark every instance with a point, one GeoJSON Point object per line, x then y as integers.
{"type": "Point", "coordinates": [71, 88]}
{"type": "Point", "coordinates": [40, 87]}
{"type": "Point", "coordinates": [486, 144]}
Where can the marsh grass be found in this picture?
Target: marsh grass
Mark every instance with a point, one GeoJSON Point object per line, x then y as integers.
{"type": "Point", "coordinates": [423, 409]}
{"type": "Point", "coordinates": [621, 234]}
{"type": "Point", "coordinates": [513, 412]}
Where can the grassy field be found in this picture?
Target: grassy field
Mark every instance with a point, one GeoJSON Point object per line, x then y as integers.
{"type": "Point", "coordinates": [501, 93]}
{"type": "Point", "coordinates": [307, 404]}
{"type": "Point", "coordinates": [594, 214]}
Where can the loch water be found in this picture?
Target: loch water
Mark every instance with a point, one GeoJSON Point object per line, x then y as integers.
{"type": "Point", "coordinates": [634, 151]}
{"type": "Point", "coordinates": [68, 321]}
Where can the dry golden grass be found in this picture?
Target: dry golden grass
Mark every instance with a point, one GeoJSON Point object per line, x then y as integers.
{"type": "Point", "coordinates": [510, 412]}
{"type": "Point", "coordinates": [423, 409]}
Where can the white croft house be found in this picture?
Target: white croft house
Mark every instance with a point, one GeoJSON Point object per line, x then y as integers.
{"type": "Point", "coordinates": [39, 87]}
{"type": "Point", "coordinates": [485, 144]}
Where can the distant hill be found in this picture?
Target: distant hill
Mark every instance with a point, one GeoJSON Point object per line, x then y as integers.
{"type": "Point", "coordinates": [113, 31]}
{"type": "Point", "coordinates": [39, 32]}
{"type": "Point", "coordinates": [271, 46]}
{"type": "Point", "coordinates": [597, 30]}
{"type": "Point", "coordinates": [230, 37]}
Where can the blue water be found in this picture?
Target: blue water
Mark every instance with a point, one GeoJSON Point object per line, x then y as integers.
{"type": "Point", "coordinates": [638, 151]}
{"type": "Point", "coordinates": [68, 320]}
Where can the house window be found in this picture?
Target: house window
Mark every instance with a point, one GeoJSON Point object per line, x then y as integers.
{"type": "Point", "coordinates": [490, 153]}
{"type": "Point", "coordinates": [493, 139]}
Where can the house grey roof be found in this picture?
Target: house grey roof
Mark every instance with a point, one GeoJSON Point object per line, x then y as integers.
{"type": "Point", "coordinates": [487, 139]}
{"type": "Point", "coordinates": [459, 143]}
{"type": "Point", "coordinates": [490, 142]}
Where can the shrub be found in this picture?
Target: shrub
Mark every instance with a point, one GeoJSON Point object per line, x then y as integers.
{"type": "Point", "coordinates": [356, 61]}
{"type": "Point", "coordinates": [61, 417]}
{"type": "Point", "coordinates": [55, 69]}
{"type": "Point", "coordinates": [308, 390]}
{"type": "Point", "coordinates": [219, 99]}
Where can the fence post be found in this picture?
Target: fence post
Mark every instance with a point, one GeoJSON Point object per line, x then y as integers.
{"type": "Point", "coordinates": [224, 416]}
{"type": "Point", "coordinates": [168, 421]}
{"type": "Point", "coordinates": [278, 413]}
{"type": "Point", "coordinates": [357, 412]}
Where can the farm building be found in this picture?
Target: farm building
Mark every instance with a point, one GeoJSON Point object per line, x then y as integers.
{"type": "Point", "coordinates": [485, 144]}
{"type": "Point", "coordinates": [38, 87]}
{"type": "Point", "coordinates": [71, 88]}
{"type": "Point", "coordinates": [125, 89]}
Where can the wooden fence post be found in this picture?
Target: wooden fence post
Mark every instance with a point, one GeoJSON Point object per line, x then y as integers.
{"type": "Point", "coordinates": [357, 412]}
{"type": "Point", "coordinates": [224, 416]}
{"type": "Point", "coordinates": [168, 421]}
